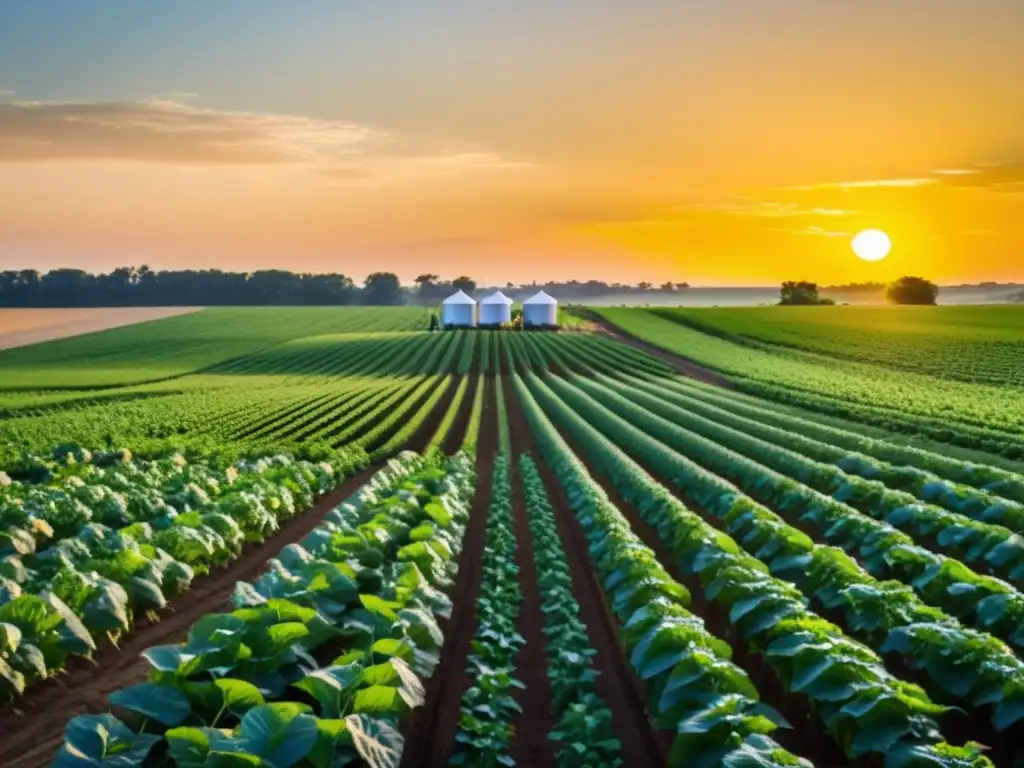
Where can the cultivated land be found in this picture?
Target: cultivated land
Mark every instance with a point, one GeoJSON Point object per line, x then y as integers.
{"type": "Point", "coordinates": [22, 327]}
{"type": "Point", "coordinates": [554, 549]}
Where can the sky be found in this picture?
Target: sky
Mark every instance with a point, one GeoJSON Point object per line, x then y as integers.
{"type": "Point", "coordinates": [719, 142]}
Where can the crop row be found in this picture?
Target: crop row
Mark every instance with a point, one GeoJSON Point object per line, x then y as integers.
{"type": "Point", "coordinates": [861, 704]}
{"type": "Point", "coordinates": [85, 554]}
{"type": "Point", "coordinates": [254, 686]}
{"type": "Point", "coordinates": [973, 415]}
{"type": "Point", "coordinates": [886, 615]}
{"type": "Point", "coordinates": [963, 499]}
{"type": "Point", "coordinates": [488, 706]}
{"type": "Point", "coordinates": [583, 728]}
{"type": "Point", "coordinates": [693, 688]}
{"type": "Point", "coordinates": [988, 602]}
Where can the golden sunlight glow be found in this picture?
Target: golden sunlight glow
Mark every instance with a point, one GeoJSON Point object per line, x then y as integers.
{"type": "Point", "coordinates": [871, 245]}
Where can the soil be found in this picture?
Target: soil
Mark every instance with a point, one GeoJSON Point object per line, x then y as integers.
{"type": "Point", "coordinates": [30, 735]}
{"type": "Point", "coordinates": [642, 745]}
{"type": "Point", "coordinates": [532, 745]}
{"type": "Point", "coordinates": [430, 732]}
{"type": "Point", "coordinates": [685, 366]}
{"type": "Point", "coordinates": [22, 327]}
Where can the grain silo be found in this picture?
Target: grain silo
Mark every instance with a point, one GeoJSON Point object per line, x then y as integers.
{"type": "Point", "coordinates": [495, 309]}
{"type": "Point", "coordinates": [540, 310]}
{"type": "Point", "coordinates": [458, 311]}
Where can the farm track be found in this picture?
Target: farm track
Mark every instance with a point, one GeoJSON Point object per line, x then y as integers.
{"type": "Point", "coordinates": [687, 367]}
{"type": "Point", "coordinates": [808, 738]}
{"type": "Point", "coordinates": [31, 735]}
{"type": "Point", "coordinates": [430, 732]}
{"type": "Point", "coordinates": [531, 745]}
{"type": "Point", "coordinates": [642, 745]}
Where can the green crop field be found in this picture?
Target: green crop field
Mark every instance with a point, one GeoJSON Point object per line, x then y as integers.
{"type": "Point", "coordinates": [328, 537]}
{"type": "Point", "coordinates": [983, 344]}
{"type": "Point", "coordinates": [987, 416]}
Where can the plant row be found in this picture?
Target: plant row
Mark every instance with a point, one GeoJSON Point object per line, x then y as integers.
{"type": "Point", "coordinates": [926, 486]}
{"type": "Point", "coordinates": [488, 705]}
{"type": "Point", "coordinates": [693, 688]}
{"type": "Point", "coordinates": [583, 722]}
{"type": "Point", "coordinates": [323, 654]}
{"type": "Point", "coordinates": [93, 548]}
{"type": "Point", "coordinates": [864, 707]}
{"type": "Point", "coordinates": [987, 602]}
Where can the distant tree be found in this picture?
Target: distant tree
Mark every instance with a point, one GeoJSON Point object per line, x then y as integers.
{"type": "Point", "coordinates": [800, 293]}
{"type": "Point", "coordinates": [682, 286]}
{"type": "Point", "coordinates": [644, 286]}
{"type": "Point", "coordinates": [463, 283]}
{"type": "Point", "coordinates": [911, 290]}
{"type": "Point", "coordinates": [382, 288]}
{"type": "Point", "coordinates": [509, 286]}
{"type": "Point", "coordinates": [668, 287]}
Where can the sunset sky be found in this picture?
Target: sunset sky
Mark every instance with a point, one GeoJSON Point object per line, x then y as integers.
{"type": "Point", "coordinates": [722, 142]}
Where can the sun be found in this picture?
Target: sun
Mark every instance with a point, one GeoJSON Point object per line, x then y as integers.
{"type": "Point", "coordinates": [871, 245]}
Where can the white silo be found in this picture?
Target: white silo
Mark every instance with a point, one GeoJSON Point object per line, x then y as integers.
{"type": "Point", "coordinates": [541, 309]}
{"type": "Point", "coordinates": [495, 309]}
{"type": "Point", "coordinates": [458, 311]}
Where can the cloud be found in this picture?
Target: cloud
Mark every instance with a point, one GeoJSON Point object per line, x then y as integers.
{"type": "Point", "coordinates": [775, 210]}
{"type": "Point", "coordinates": [995, 177]}
{"type": "Point", "coordinates": [165, 130]}
{"type": "Point", "coordinates": [865, 184]}
{"type": "Point", "coordinates": [814, 231]}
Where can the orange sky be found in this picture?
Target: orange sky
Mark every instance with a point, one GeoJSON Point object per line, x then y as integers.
{"type": "Point", "coordinates": [730, 142]}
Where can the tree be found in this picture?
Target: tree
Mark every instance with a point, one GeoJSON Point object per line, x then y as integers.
{"type": "Point", "coordinates": [382, 288]}
{"type": "Point", "coordinates": [465, 284]}
{"type": "Point", "coordinates": [668, 287]}
{"type": "Point", "coordinates": [682, 286]}
{"type": "Point", "coordinates": [644, 286]}
{"type": "Point", "coordinates": [799, 293]}
{"type": "Point", "coordinates": [911, 290]}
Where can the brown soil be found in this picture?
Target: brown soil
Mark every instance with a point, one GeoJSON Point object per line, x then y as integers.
{"type": "Point", "coordinates": [30, 735]}
{"type": "Point", "coordinates": [430, 732]}
{"type": "Point", "coordinates": [642, 745]}
{"type": "Point", "coordinates": [532, 745]}
{"type": "Point", "coordinates": [21, 327]}
{"type": "Point", "coordinates": [688, 367]}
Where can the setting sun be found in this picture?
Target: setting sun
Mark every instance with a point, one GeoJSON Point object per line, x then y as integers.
{"type": "Point", "coordinates": [872, 245]}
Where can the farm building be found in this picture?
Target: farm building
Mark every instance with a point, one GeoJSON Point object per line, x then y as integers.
{"type": "Point", "coordinates": [458, 311]}
{"type": "Point", "coordinates": [495, 309]}
{"type": "Point", "coordinates": [541, 309]}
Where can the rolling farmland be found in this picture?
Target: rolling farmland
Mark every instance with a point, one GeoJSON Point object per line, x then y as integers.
{"type": "Point", "coordinates": [326, 537]}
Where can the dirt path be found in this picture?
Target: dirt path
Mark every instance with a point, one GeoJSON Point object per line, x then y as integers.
{"type": "Point", "coordinates": [31, 735]}
{"type": "Point", "coordinates": [532, 745]}
{"type": "Point", "coordinates": [22, 327]}
{"type": "Point", "coordinates": [688, 367]}
{"type": "Point", "coordinates": [430, 732]}
{"type": "Point", "coordinates": [642, 745]}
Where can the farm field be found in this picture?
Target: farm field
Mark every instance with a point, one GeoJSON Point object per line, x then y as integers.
{"type": "Point", "coordinates": [325, 538]}
{"type": "Point", "coordinates": [974, 344]}
{"type": "Point", "coordinates": [22, 327]}
{"type": "Point", "coordinates": [984, 413]}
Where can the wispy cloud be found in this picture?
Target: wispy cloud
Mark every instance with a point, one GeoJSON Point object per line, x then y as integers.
{"type": "Point", "coordinates": [776, 210]}
{"type": "Point", "coordinates": [814, 231]}
{"type": "Point", "coordinates": [995, 177]}
{"type": "Point", "coordinates": [167, 130]}
{"type": "Point", "coordinates": [865, 184]}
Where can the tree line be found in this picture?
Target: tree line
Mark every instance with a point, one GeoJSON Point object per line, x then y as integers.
{"type": "Point", "coordinates": [142, 286]}
{"type": "Point", "coordinates": [905, 290]}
